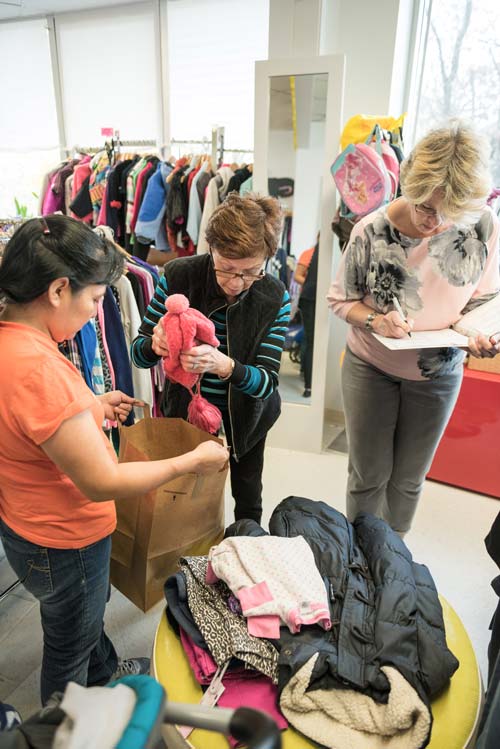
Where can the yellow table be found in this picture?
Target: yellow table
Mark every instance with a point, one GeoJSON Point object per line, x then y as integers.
{"type": "Point", "coordinates": [456, 711]}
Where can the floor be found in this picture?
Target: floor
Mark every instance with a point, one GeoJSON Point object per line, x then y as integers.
{"type": "Point", "coordinates": [447, 536]}
{"type": "Point", "coordinates": [291, 381]}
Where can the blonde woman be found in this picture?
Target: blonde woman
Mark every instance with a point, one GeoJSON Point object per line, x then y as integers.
{"type": "Point", "coordinates": [434, 250]}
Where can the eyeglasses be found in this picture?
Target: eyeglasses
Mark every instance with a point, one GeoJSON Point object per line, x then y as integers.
{"type": "Point", "coordinates": [246, 278]}
{"type": "Point", "coordinates": [429, 213]}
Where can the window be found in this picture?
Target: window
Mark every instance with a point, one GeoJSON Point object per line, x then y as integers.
{"type": "Point", "coordinates": [108, 72]}
{"type": "Point", "coordinates": [29, 142]}
{"type": "Point", "coordinates": [213, 45]}
{"type": "Point", "coordinates": [461, 69]}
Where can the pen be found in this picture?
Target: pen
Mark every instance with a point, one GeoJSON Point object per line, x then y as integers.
{"type": "Point", "coordinates": [400, 312]}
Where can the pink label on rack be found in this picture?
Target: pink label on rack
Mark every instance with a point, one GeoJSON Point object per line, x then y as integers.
{"type": "Point", "coordinates": [107, 132]}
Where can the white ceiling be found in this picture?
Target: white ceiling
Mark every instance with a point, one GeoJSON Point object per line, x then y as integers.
{"type": "Point", "coordinates": [25, 8]}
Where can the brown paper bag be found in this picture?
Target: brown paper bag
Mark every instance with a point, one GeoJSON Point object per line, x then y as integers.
{"type": "Point", "coordinates": [183, 517]}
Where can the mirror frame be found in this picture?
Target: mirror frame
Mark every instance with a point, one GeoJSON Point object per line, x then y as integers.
{"type": "Point", "coordinates": [300, 426]}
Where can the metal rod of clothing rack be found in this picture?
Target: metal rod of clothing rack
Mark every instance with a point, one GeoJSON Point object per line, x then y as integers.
{"type": "Point", "coordinates": [216, 143]}
{"type": "Point", "coordinates": [115, 142]}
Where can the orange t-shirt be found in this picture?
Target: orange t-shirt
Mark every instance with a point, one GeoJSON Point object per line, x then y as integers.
{"type": "Point", "coordinates": [39, 390]}
{"type": "Point", "coordinates": [306, 257]}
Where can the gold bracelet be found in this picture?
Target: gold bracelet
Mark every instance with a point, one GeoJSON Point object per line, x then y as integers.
{"type": "Point", "coordinates": [230, 373]}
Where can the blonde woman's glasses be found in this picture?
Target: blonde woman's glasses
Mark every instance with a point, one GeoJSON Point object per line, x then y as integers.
{"type": "Point", "coordinates": [429, 213]}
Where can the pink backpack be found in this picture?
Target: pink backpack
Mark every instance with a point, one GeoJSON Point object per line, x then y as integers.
{"type": "Point", "coordinates": [390, 161]}
{"type": "Point", "coordinates": [366, 175]}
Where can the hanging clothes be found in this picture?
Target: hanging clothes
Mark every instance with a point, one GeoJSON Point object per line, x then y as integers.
{"type": "Point", "coordinates": [195, 204]}
{"type": "Point", "coordinates": [240, 176]}
{"type": "Point", "coordinates": [86, 341]}
{"type": "Point", "coordinates": [131, 320]}
{"type": "Point", "coordinates": [216, 192]}
{"type": "Point", "coordinates": [150, 226]}
{"type": "Point", "coordinates": [116, 198]}
{"type": "Point", "coordinates": [131, 194]}
{"type": "Point", "coordinates": [246, 186]}
{"type": "Point", "coordinates": [117, 345]}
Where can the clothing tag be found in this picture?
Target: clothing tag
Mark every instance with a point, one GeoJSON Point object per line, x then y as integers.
{"type": "Point", "coordinates": [211, 696]}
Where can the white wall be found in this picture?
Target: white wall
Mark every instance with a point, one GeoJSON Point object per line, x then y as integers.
{"type": "Point", "coordinates": [28, 122]}
{"type": "Point", "coordinates": [212, 48]}
{"type": "Point", "coordinates": [307, 193]}
{"type": "Point", "coordinates": [96, 92]}
{"type": "Point", "coordinates": [375, 39]}
{"type": "Point", "coordinates": [366, 34]}
{"type": "Point", "coordinates": [295, 28]}
{"type": "Point", "coordinates": [281, 161]}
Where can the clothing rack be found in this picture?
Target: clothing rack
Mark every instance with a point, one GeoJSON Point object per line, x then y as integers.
{"type": "Point", "coordinates": [216, 142]}
{"type": "Point", "coordinates": [114, 144]}
{"type": "Point", "coordinates": [95, 149]}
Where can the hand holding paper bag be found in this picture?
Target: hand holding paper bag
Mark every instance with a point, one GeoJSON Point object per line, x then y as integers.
{"type": "Point", "coordinates": [182, 517]}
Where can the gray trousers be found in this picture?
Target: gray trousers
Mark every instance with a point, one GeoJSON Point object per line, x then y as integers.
{"type": "Point", "coordinates": [393, 429]}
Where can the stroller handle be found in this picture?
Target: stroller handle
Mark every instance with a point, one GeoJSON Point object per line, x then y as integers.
{"type": "Point", "coordinates": [252, 727]}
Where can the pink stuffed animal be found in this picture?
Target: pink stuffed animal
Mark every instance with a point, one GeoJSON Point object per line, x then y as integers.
{"type": "Point", "coordinates": [184, 328]}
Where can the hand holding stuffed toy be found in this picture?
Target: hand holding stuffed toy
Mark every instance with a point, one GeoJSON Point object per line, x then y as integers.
{"type": "Point", "coordinates": [184, 328]}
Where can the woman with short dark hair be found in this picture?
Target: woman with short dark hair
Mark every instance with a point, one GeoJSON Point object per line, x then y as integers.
{"type": "Point", "coordinates": [58, 471]}
{"type": "Point", "coordinates": [250, 310]}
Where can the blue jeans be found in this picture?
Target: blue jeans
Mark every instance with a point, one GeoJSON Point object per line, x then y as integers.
{"type": "Point", "coordinates": [72, 586]}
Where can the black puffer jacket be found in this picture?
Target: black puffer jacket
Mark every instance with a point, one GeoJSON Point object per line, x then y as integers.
{"type": "Point", "coordinates": [384, 607]}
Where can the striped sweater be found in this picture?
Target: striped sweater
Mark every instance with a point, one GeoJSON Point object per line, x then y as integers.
{"type": "Point", "coordinates": [257, 380]}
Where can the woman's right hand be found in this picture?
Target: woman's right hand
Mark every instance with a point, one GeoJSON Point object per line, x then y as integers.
{"type": "Point", "coordinates": [209, 457]}
{"type": "Point", "coordinates": [159, 341]}
{"type": "Point", "coordinates": [392, 325]}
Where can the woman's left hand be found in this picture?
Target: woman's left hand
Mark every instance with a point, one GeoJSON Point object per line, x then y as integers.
{"type": "Point", "coordinates": [205, 358]}
{"type": "Point", "coordinates": [482, 346]}
{"type": "Point", "coordinates": [118, 405]}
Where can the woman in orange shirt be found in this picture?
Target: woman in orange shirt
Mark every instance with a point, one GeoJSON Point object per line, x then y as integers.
{"type": "Point", "coordinates": [58, 472]}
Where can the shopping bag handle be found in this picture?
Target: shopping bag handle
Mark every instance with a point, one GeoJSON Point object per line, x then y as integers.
{"type": "Point", "coordinates": [146, 410]}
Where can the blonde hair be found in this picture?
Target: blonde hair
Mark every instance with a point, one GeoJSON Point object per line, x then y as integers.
{"type": "Point", "coordinates": [453, 160]}
{"type": "Point", "coordinates": [245, 226]}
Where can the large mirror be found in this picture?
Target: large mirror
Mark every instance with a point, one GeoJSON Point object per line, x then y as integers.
{"type": "Point", "coordinates": [298, 113]}
{"type": "Point", "coordinates": [296, 151]}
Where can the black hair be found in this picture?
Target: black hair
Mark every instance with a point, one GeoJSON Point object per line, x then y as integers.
{"type": "Point", "coordinates": [42, 250]}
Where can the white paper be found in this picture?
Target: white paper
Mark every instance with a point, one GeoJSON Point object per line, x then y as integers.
{"type": "Point", "coordinates": [484, 319]}
{"type": "Point", "coordinates": [425, 339]}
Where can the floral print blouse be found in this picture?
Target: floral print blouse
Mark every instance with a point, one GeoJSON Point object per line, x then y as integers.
{"type": "Point", "coordinates": [436, 280]}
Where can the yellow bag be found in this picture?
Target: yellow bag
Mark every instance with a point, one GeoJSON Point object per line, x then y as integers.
{"type": "Point", "coordinates": [359, 127]}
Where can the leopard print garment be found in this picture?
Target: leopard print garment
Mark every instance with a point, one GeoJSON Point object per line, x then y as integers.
{"type": "Point", "coordinates": [224, 631]}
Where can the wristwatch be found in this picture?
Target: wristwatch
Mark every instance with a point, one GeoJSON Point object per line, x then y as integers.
{"type": "Point", "coordinates": [368, 322]}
